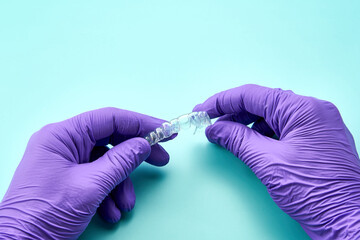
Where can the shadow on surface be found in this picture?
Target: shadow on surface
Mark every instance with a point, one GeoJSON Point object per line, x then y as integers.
{"type": "Point", "coordinates": [232, 173]}
{"type": "Point", "coordinates": [144, 178]}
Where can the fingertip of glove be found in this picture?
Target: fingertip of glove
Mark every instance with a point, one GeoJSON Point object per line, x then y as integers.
{"type": "Point", "coordinates": [114, 219]}
{"type": "Point", "coordinates": [169, 138]}
{"type": "Point", "coordinates": [197, 108]}
{"type": "Point", "coordinates": [210, 133]}
{"type": "Point", "coordinates": [108, 211]}
{"type": "Point", "coordinates": [159, 156]}
{"type": "Point", "coordinates": [173, 136]}
{"type": "Point", "coordinates": [127, 201]}
{"type": "Point", "coordinates": [127, 207]}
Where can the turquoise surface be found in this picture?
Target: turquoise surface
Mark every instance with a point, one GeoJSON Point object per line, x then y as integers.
{"type": "Point", "coordinates": [61, 58]}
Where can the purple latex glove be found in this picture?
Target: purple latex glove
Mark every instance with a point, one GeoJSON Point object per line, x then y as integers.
{"type": "Point", "coordinates": [312, 172]}
{"type": "Point", "coordinates": [57, 189]}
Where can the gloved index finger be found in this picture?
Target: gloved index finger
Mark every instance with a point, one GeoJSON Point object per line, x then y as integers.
{"type": "Point", "coordinates": [257, 100]}
{"type": "Point", "coordinates": [115, 124]}
{"type": "Point", "coordinates": [251, 98]}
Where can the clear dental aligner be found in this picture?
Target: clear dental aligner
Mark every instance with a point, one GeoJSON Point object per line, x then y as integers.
{"type": "Point", "coordinates": [197, 119]}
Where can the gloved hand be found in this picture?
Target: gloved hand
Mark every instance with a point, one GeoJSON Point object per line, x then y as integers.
{"type": "Point", "coordinates": [56, 189]}
{"type": "Point", "coordinates": [312, 172]}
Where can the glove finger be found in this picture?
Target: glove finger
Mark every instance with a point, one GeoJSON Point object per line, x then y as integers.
{"type": "Point", "coordinates": [158, 156]}
{"type": "Point", "coordinates": [110, 125]}
{"type": "Point", "coordinates": [260, 125]}
{"type": "Point", "coordinates": [263, 128]}
{"type": "Point", "coordinates": [117, 163]}
{"type": "Point", "coordinates": [242, 117]}
{"type": "Point", "coordinates": [243, 142]}
{"type": "Point", "coordinates": [109, 211]}
{"type": "Point", "coordinates": [274, 105]}
{"type": "Point", "coordinates": [124, 195]}
{"type": "Point", "coordinates": [116, 139]}
{"type": "Point", "coordinates": [169, 138]}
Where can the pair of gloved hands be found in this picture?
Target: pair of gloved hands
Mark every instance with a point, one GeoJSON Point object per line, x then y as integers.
{"type": "Point", "coordinates": [312, 171]}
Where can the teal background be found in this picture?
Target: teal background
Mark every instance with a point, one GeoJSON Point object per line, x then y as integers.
{"type": "Point", "coordinates": [61, 58]}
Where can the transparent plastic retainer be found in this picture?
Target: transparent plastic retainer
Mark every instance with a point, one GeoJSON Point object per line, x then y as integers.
{"type": "Point", "coordinates": [197, 119]}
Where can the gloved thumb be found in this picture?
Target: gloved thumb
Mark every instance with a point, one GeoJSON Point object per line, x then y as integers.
{"type": "Point", "coordinates": [117, 163]}
{"type": "Point", "coordinates": [245, 143]}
